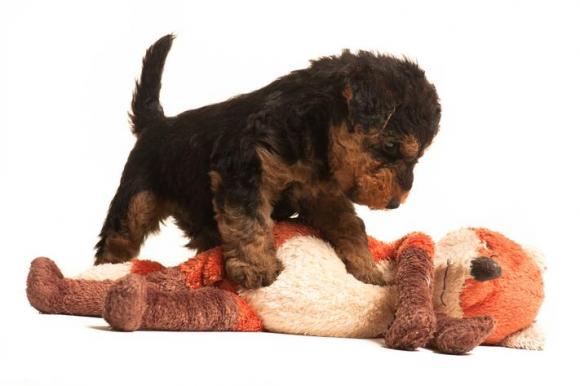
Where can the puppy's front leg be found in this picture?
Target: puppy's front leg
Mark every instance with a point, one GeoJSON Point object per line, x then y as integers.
{"type": "Point", "coordinates": [244, 221]}
{"type": "Point", "coordinates": [334, 216]}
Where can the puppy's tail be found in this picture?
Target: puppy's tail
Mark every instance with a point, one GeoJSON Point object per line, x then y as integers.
{"type": "Point", "coordinates": [146, 109]}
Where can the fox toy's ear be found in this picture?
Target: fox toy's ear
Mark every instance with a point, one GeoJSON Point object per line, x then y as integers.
{"type": "Point", "coordinates": [530, 338]}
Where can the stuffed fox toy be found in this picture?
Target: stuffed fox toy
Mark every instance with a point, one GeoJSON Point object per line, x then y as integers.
{"type": "Point", "coordinates": [474, 286]}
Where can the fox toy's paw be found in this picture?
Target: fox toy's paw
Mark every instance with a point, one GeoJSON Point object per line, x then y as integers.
{"type": "Point", "coordinates": [458, 335]}
{"type": "Point", "coordinates": [44, 286]}
{"type": "Point", "coordinates": [411, 329]}
{"type": "Point", "coordinates": [126, 303]}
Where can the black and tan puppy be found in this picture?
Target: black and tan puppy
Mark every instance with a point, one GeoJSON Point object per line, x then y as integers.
{"type": "Point", "coordinates": [349, 128]}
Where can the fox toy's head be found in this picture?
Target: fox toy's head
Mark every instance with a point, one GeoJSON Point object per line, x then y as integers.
{"type": "Point", "coordinates": [480, 272]}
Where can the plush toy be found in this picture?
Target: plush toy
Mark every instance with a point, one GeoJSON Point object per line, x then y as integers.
{"type": "Point", "coordinates": [475, 286]}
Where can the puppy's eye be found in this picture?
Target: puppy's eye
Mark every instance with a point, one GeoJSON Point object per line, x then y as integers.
{"type": "Point", "coordinates": [390, 149]}
{"type": "Point", "coordinates": [389, 145]}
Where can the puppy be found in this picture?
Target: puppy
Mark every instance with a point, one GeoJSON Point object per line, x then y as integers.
{"type": "Point", "coordinates": [349, 128]}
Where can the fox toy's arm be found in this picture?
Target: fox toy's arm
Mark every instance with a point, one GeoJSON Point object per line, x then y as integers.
{"type": "Point", "coordinates": [415, 320]}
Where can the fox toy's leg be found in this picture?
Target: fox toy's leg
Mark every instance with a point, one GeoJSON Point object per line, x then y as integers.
{"type": "Point", "coordinates": [162, 301]}
{"type": "Point", "coordinates": [50, 292]}
{"type": "Point", "coordinates": [460, 335]}
{"type": "Point", "coordinates": [414, 322]}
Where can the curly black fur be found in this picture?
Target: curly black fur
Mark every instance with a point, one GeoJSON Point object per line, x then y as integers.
{"type": "Point", "coordinates": [291, 117]}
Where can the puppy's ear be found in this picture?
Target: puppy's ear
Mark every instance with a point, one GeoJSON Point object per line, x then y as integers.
{"type": "Point", "coordinates": [367, 98]}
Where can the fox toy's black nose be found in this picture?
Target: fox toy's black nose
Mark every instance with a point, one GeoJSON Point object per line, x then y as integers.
{"type": "Point", "coordinates": [484, 268]}
{"type": "Point", "coordinates": [393, 204]}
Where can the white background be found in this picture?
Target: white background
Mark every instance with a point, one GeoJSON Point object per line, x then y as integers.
{"type": "Point", "coordinates": [506, 158]}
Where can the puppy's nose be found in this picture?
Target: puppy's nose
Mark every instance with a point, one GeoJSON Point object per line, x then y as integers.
{"type": "Point", "coordinates": [393, 204]}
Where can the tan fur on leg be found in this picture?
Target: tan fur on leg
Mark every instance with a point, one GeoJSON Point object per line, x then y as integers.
{"type": "Point", "coordinates": [143, 216]}
{"type": "Point", "coordinates": [333, 214]}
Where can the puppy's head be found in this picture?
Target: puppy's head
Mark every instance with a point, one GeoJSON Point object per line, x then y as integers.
{"type": "Point", "coordinates": [392, 115]}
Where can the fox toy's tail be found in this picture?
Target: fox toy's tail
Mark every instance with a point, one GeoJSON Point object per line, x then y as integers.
{"type": "Point", "coordinates": [146, 109]}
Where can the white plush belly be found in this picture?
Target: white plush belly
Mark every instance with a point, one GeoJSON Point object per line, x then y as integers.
{"type": "Point", "coordinates": [315, 295]}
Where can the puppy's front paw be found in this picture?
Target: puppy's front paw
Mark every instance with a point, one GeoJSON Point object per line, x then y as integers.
{"type": "Point", "coordinates": [253, 275]}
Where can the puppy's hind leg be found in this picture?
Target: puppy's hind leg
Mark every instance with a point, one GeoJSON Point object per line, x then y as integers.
{"type": "Point", "coordinates": [135, 212]}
